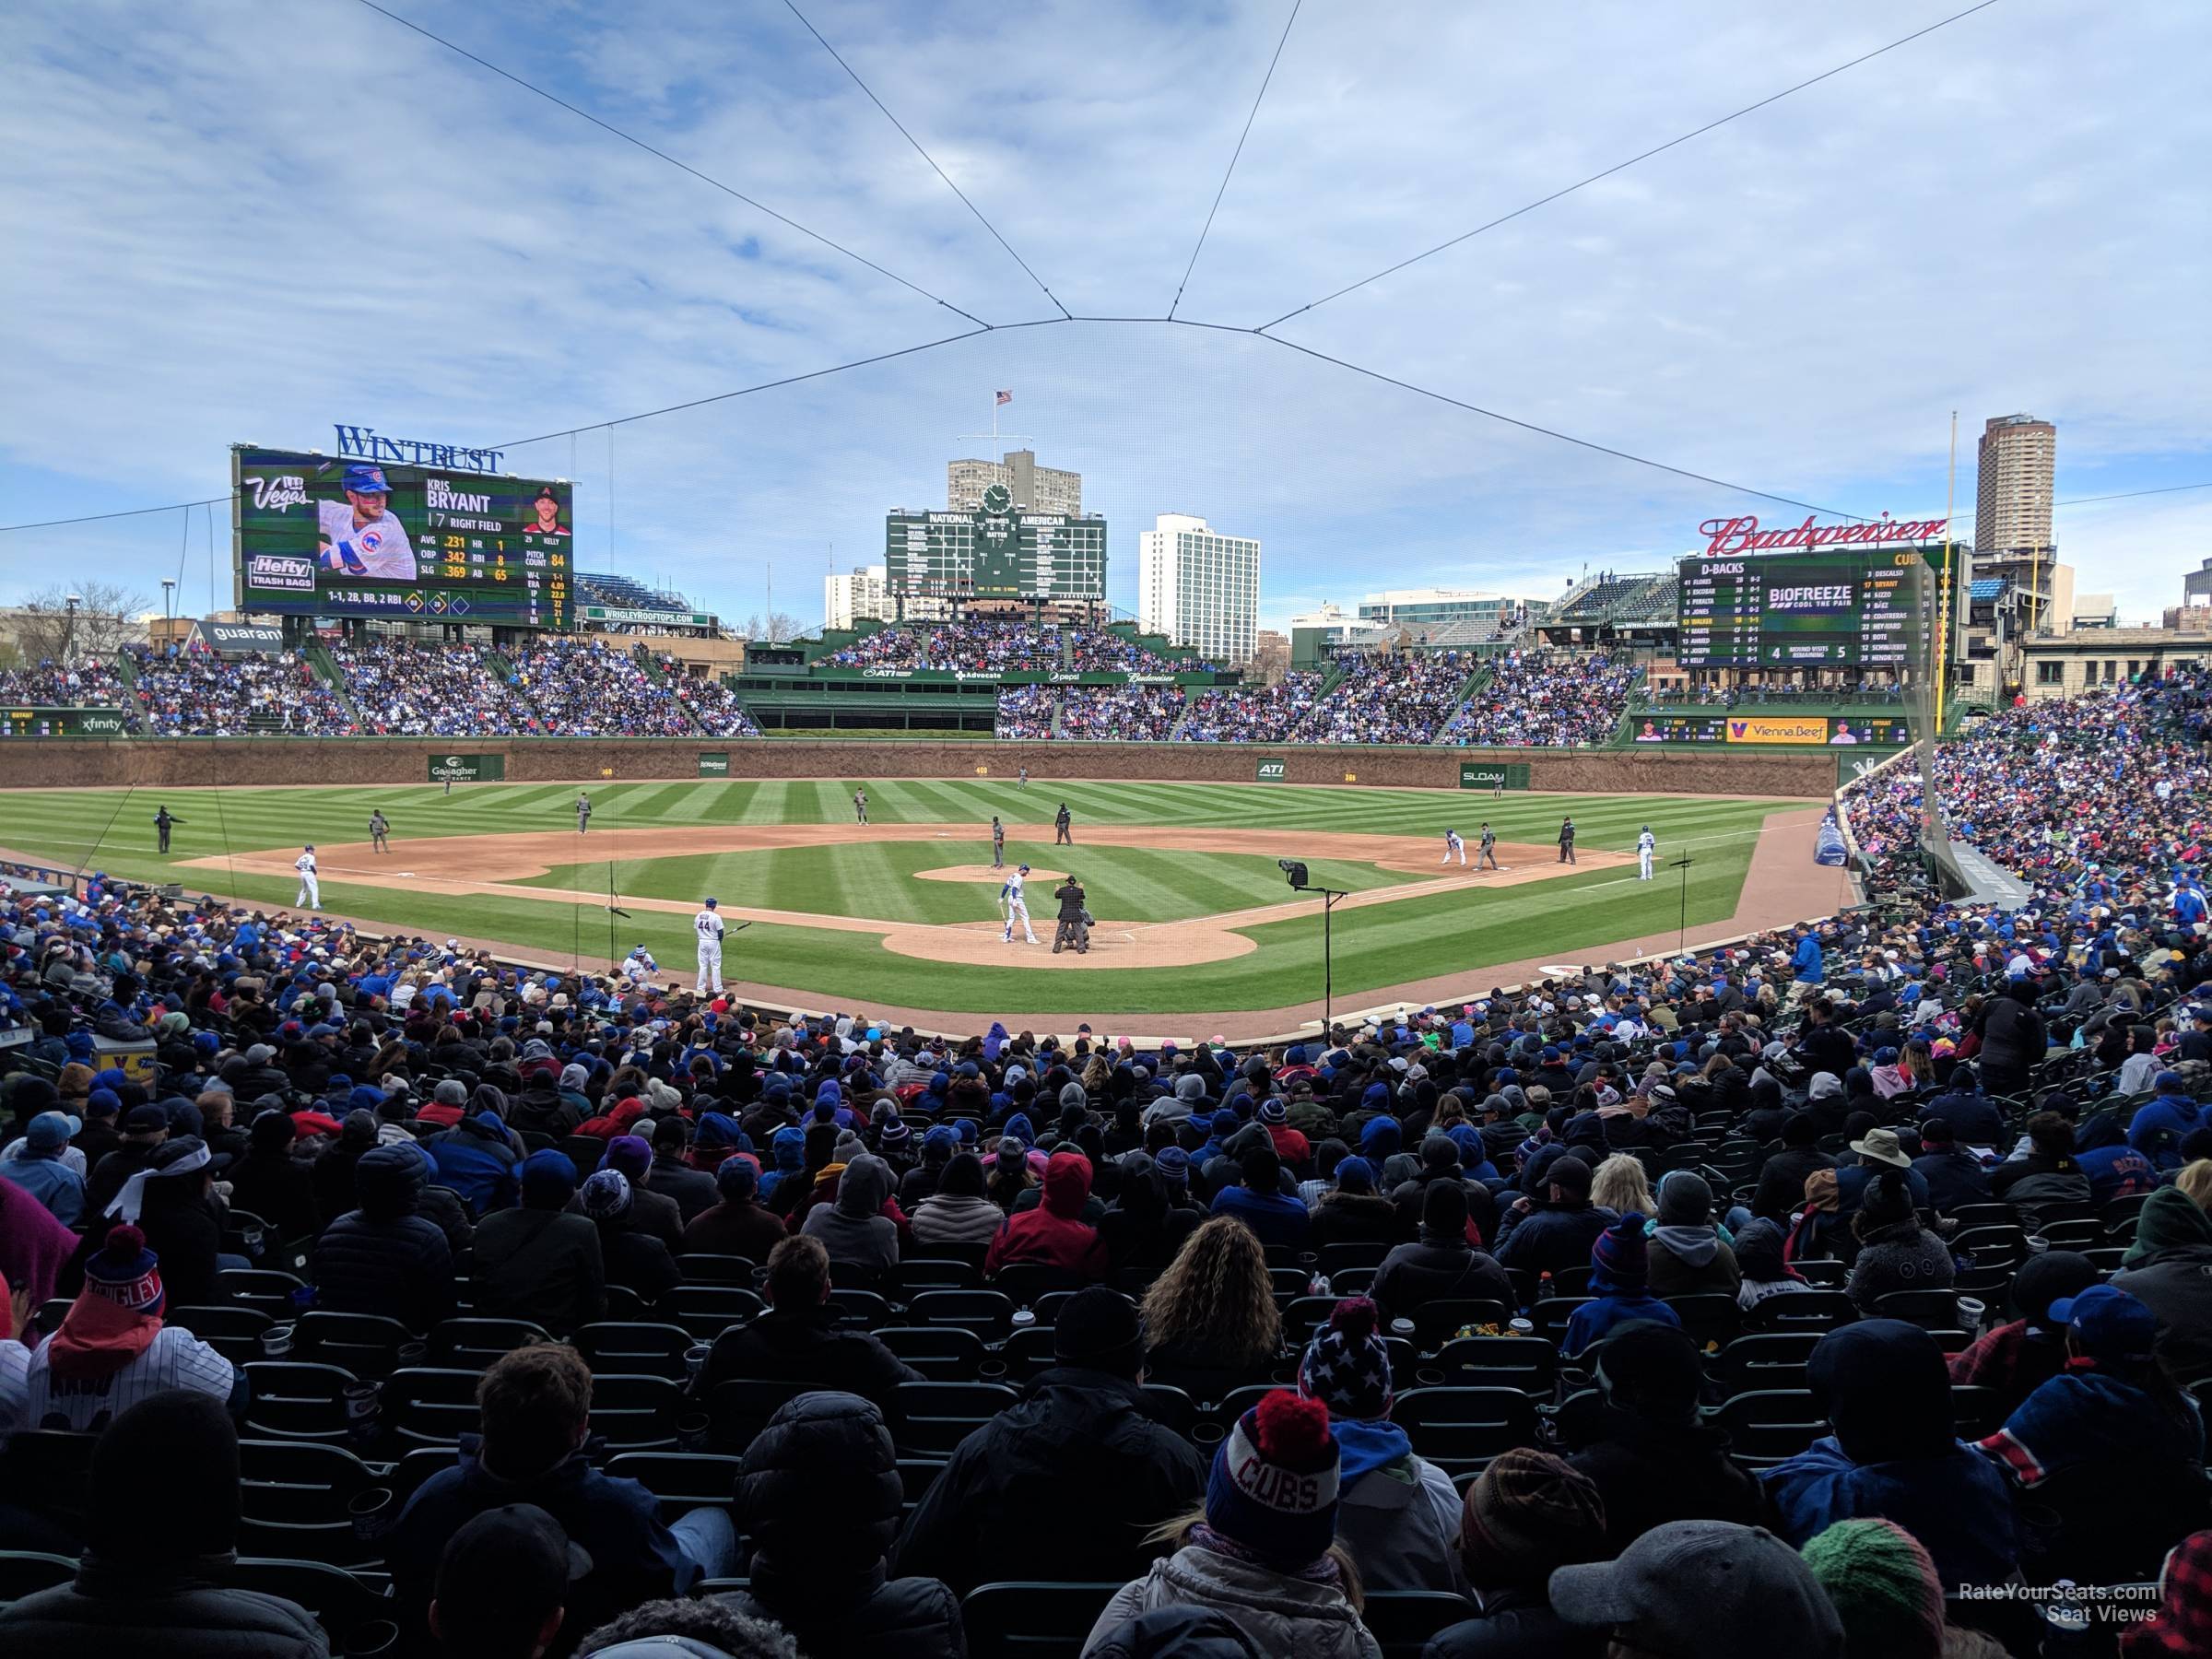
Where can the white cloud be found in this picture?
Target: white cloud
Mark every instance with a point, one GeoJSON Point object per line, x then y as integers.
{"type": "Point", "coordinates": [241, 225]}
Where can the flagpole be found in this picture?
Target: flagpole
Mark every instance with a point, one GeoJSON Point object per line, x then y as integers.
{"type": "Point", "coordinates": [995, 424]}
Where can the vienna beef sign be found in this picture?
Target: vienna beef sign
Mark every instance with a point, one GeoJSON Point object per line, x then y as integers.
{"type": "Point", "coordinates": [1744, 535]}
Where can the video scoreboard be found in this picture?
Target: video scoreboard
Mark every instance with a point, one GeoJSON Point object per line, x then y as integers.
{"type": "Point", "coordinates": [313, 535]}
{"type": "Point", "coordinates": [1809, 610]}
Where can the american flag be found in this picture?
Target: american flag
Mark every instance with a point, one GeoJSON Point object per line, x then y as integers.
{"type": "Point", "coordinates": [1005, 397]}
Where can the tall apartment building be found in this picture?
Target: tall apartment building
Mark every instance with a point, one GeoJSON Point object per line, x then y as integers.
{"type": "Point", "coordinates": [2012, 484]}
{"type": "Point", "coordinates": [864, 595]}
{"type": "Point", "coordinates": [1034, 488]}
{"type": "Point", "coordinates": [1199, 587]}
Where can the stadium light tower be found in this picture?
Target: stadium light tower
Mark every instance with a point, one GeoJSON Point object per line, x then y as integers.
{"type": "Point", "coordinates": [1295, 873]}
{"type": "Point", "coordinates": [69, 604]}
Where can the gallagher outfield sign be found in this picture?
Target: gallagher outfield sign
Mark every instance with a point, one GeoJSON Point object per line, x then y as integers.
{"type": "Point", "coordinates": [468, 769]}
{"type": "Point", "coordinates": [1744, 535]}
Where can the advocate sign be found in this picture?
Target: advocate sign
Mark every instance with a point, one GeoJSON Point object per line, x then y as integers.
{"type": "Point", "coordinates": [1744, 535]}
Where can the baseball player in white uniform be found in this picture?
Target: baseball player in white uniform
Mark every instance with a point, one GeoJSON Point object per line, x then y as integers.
{"type": "Point", "coordinates": [1010, 899]}
{"type": "Point", "coordinates": [707, 925]}
{"type": "Point", "coordinates": [360, 536]}
{"type": "Point", "coordinates": [311, 888]}
{"type": "Point", "coordinates": [1453, 844]}
{"type": "Point", "coordinates": [1646, 844]}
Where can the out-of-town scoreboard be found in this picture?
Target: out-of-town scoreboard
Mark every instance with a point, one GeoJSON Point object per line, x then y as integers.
{"type": "Point", "coordinates": [998, 551]}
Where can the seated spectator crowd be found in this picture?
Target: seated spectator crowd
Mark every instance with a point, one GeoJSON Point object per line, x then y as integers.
{"type": "Point", "coordinates": [1842, 1291]}
{"type": "Point", "coordinates": [979, 644]}
{"type": "Point", "coordinates": [1546, 700]}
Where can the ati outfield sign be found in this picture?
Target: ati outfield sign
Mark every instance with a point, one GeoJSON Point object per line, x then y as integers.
{"type": "Point", "coordinates": [468, 769]}
{"type": "Point", "coordinates": [714, 763]}
{"type": "Point", "coordinates": [1272, 771]}
{"type": "Point", "coordinates": [1744, 535]}
{"type": "Point", "coordinates": [1493, 774]}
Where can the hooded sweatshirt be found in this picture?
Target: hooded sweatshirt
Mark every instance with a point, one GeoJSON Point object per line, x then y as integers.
{"type": "Point", "coordinates": [1888, 1394]}
{"type": "Point", "coordinates": [855, 1228]}
{"type": "Point", "coordinates": [2169, 1269]}
{"type": "Point", "coordinates": [1053, 1233]}
{"type": "Point", "coordinates": [787, 1149]}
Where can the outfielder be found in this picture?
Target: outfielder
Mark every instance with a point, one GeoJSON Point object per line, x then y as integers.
{"type": "Point", "coordinates": [379, 831]}
{"type": "Point", "coordinates": [311, 889]}
{"type": "Point", "coordinates": [358, 535]}
{"type": "Point", "coordinates": [1646, 844]}
{"type": "Point", "coordinates": [860, 806]}
{"type": "Point", "coordinates": [1010, 899]}
{"type": "Point", "coordinates": [1453, 844]}
{"type": "Point", "coordinates": [584, 812]}
{"type": "Point", "coordinates": [707, 925]}
{"type": "Point", "coordinates": [999, 843]}
{"type": "Point", "coordinates": [1487, 849]}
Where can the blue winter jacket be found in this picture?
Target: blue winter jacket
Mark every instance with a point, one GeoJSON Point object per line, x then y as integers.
{"type": "Point", "coordinates": [1958, 1505]}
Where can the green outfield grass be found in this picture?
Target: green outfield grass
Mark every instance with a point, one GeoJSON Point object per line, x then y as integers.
{"type": "Point", "coordinates": [1374, 946]}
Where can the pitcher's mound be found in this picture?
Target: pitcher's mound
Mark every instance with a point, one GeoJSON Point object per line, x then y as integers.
{"type": "Point", "coordinates": [985, 873]}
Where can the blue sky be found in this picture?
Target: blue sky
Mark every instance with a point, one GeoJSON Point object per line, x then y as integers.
{"type": "Point", "coordinates": [233, 223]}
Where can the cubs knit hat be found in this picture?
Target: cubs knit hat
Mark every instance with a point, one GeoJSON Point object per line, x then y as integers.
{"type": "Point", "coordinates": [1273, 1487]}
{"type": "Point", "coordinates": [126, 1273]}
{"type": "Point", "coordinates": [606, 1196]}
{"type": "Point", "coordinates": [1346, 1365]}
{"type": "Point", "coordinates": [1273, 1112]}
{"type": "Point", "coordinates": [1174, 1166]}
{"type": "Point", "coordinates": [1883, 1585]}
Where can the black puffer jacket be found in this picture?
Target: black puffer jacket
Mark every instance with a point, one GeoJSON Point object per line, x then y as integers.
{"type": "Point", "coordinates": [190, 1614]}
{"type": "Point", "coordinates": [819, 1496]}
{"type": "Point", "coordinates": [383, 1257]}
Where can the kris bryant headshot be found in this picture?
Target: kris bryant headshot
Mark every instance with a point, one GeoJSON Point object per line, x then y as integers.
{"type": "Point", "coordinates": [361, 536]}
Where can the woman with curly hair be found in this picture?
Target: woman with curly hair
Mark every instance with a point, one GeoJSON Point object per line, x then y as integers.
{"type": "Point", "coordinates": [1620, 1186]}
{"type": "Point", "coordinates": [1210, 1320]}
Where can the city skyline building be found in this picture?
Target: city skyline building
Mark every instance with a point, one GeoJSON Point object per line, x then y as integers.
{"type": "Point", "coordinates": [1199, 587]}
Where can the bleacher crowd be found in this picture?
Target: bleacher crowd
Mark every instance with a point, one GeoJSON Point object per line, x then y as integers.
{"type": "Point", "coordinates": [400, 689]}
{"type": "Point", "coordinates": [1547, 699]}
{"type": "Point", "coordinates": [86, 683]}
{"type": "Point", "coordinates": [1841, 1291]}
{"type": "Point", "coordinates": [202, 694]}
{"type": "Point", "coordinates": [1008, 647]}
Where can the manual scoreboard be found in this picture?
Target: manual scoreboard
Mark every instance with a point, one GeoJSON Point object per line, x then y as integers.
{"type": "Point", "coordinates": [998, 551]}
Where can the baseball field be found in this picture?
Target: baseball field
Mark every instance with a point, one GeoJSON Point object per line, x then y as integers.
{"type": "Point", "coordinates": [1195, 922]}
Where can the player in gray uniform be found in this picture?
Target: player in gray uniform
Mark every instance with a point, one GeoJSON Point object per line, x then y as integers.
{"type": "Point", "coordinates": [360, 535]}
{"type": "Point", "coordinates": [1487, 852]}
{"type": "Point", "coordinates": [380, 832]}
{"type": "Point", "coordinates": [860, 806]}
{"type": "Point", "coordinates": [999, 843]}
{"type": "Point", "coordinates": [584, 812]}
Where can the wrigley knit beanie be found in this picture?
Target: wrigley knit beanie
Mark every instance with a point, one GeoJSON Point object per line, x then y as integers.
{"type": "Point", "coordinates": [1884, 1588]}
{"type": "Point", "coordinates": [1273, 1487]}
{"type": "Point", "coordinates": [124, 1271]}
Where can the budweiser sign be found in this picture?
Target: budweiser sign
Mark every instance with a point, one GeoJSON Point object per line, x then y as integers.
{"type": "Point", "coordinates": [1744, 535]}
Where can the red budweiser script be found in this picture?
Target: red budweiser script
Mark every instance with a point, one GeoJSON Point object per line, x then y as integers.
{"type": "Point", "coordinates": [1744, 535]}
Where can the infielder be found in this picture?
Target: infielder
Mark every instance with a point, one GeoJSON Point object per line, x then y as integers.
{"type": "Point", "coordinates": [379, 831]}
{"type": "Point", "coordinates": [311, 889]}
{"type": "Point", "coordinates": [1487, 849]}
{"type": "Point", "coordinates": [358, 535]}
{"type": "Point", "coordinates": [584, 812]}
{"type": "Point", "coordinates": [707, 925]}
{"type": "Point", "coordinates": [1009, 896]}
{"type": "Point", "coordinates": [860, 806]}
{"type": "Point", "coordinates": [1646, 844]}
{"type": "Point", "coordinates": [999, 843]}
{"type": "Point", "coordinates": [1453, 844]}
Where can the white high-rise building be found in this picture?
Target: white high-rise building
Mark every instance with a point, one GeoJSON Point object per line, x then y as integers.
{"type": "Point", "coordinates": [856, 597]}
{"type": "Point", "coordinates": [1199, 587]}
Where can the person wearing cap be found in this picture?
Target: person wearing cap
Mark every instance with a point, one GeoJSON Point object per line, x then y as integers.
{"type": "Point", "coordinates": [1953, 1175]}
{"type": "Point", "coordinates": [1873, 1150]}
{"type": "Point", "coordinates": [40, 1166]}
{"type": "Point", "coordinates": [2109, 1444]}
{"type": "Point", "coordinates": [112, 1350]}
{"type": "Point", "coordinates": [1439, 1266]}
{"type": "Point", "coordinates": [653, 1213]}
{"type": "Point", "coordinates": [819, 1496]}
{"type": "Point", "coordinates": [2013, 1357]}
{"type": "Point", "coordinates": [1348, 1210]}
{"type": "Point", "coordinates": [1001, 1508]}
{"type": "Point", "coordinates": [1398, 1514]}
{"type": "Point", "coordinates": [1262, 1549]}
{"type": "Point", "coordinates": [1884, 1390]}
{"type": "Point", "coordinates": [533, 1405]}
{"type": "Point", "coordinates": [273, 1183]}
{"type": "Point", "coordinates": [633, 1257]}
{"type": "Point", "coordinates": [382, 1256]}
{"type": "Point", "coordinates": [1560, 1231]}
{"type": "Point", "coordinates": [2159, 1126]}
{"type": "Point", "coordinates": [670, 1175]}
{"type": "Point", "coordinates": [1689, 1257]}
{"type": "Point", "coordinates": [162, 1518]}
{"type": "Point", "coordinates": [1703, 1590]}
{"type": "Point", "coordinates": [799, 1338]}
{"type": "Point", "coordinates": [502, 1584]}
{"type": "Point", "coordinates": [540, 1262]}
{"type": "Point", "coordinates": [1780, 1188]}
{"type": "Point", "coordinates": [1651, 1456]}
{"type": "Point", "coordinates": [1525, 1515]}
{"type": "Point", "coordinates": [1257, 1198]}
{"type": "Point", "coordinates": [1620, 1289]}
{"type": "Point", "coordinates": [173, 1202]}
{"type": "Point", "coordinates": [359, 536]}
{"type": "Point", "coordinates": [738, 1224]}
{"type": "Point", "coordinates": [2048, 1173]}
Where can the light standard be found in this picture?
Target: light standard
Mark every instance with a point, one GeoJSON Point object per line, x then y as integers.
{"type": "Point", "coordinates": [69, 602]}
{"type": "Point", "coordinates": [1295, 872]}
{"type": "Point", "coordinates": [169, 612]}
